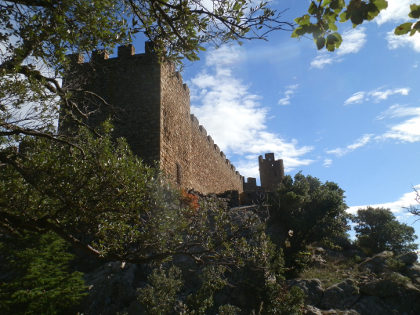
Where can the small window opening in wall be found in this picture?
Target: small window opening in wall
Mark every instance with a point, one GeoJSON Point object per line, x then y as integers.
{"type": "Point", "coordinates": [178, 174]}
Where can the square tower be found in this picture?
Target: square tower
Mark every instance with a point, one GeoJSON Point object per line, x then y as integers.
{"type": "Point", "coordinates": [271, 172]}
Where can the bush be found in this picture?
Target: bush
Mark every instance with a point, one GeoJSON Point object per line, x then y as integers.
{"type": "Point", "coordinates": [378, 230]}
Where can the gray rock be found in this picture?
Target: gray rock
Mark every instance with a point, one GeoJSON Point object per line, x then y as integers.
{"type": "Point", "coordinates": [312, 310]}
{"type": "Point", "coordinates": [312, 289]}
{"type": "Point", "coordinates": [342, 295]}
{"type": "Point", "coordinates": [380, 288]}
{"type": "Point", "coordinates": [413, 272]}
{"type": "Point", "coordinates": [339, 312]}
{"type": "Point", "coordinates": [377, 263]}
{"type": "Point", "coordinates": [372, 305]}
{"type": "Point", "coordinates": [408, 258]}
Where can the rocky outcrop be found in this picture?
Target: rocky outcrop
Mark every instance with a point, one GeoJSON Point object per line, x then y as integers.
{"type": "Point", "coordinates": [384, 284]}
{"type": "Point", "coordinates": [342, 295]}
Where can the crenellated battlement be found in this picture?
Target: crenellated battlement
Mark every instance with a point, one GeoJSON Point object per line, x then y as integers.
{"type": "Point", "coordinates": [151, 109]}
{"type": "Point", "coordinates": [196, 127]}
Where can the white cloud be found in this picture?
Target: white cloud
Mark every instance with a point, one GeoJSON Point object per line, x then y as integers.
{"type": "Point", "coordinates": [397, 11]}
{"type": "Point", "coordinates": [398, 41]}
{"type": "Point", "coordinates": [375, 95]}
{"type": "Point", "coordinates": [356, 98]}
{"type": "Point", "coordinates": [327, 162]}
{"type": "Point", "coordinates": [397, 206]}
{"type": "Point", "coordinates": [353, 41]}
{"type": "Point", "coordinates": [407, 130]}
{"type": "Point", "coordinates": [290, 90]}
{"type": "Point", "coordinates": [321, 61]}
{"type": "Point", "coordinates": [234, 117]}
{"type": "Point", "coordinates": [362, 141]}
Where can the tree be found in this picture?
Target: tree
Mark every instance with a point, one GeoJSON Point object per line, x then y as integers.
{"type": "Point", "coordinates": [35, 36]}
{"type": "Point", "coordinates": [415, 209]}
{"type": "Point", "coordinates": [36, 276]}
{"type": "Point", "coordinates": [97, 196]}
{"type": "Point", "coordinates": [304, 210]}
{"type": "Point", "coordinates": [377, 230]}
{"type": "Point", "coordinates": [321, 20]}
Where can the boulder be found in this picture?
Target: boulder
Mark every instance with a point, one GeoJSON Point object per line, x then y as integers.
{"type": "Point", "coordinates": [372, 305]}
{"type": "Point", "coordinates": [377, 263]}
{"type": "Point", "coordinates": [312, 289]}
{"type": "Point", "coordinates": [312, 310]}
{"type": "Point", "coordinates": [413, 272]}
{"type": "Point", "coordinates": [408, 258]}
{"type": "Point", "coordinates": [380, 288]}
{"type": "Point", "coordinates": [342, 295]}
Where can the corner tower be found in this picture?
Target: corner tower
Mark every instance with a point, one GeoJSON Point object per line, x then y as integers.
{"type": "Point", "coordinates": [271, 171]}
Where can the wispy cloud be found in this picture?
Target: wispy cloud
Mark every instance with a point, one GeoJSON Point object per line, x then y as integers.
{"type": "Point", "coordinates": [362, 141]}
{"type": "Point", "coordinates": [397, 206]}
{"type": "Point", "coordinates": [327, 162]}
{"type": "Point", "coordinates": [397, 11]}
{"type": "Point", "coordinates": [376, 96]}
{"type": "Point", "coordinates": [234, 117]}
{"type": "Point", "coordinates": [322, 60]}
{"type": "Point", "coordinates": [290, 90]}
{"type": "Point", "coordinates": [407, 130]}
{"type": "Point", "coordinates": [399, 41]}
{"type": "Point", "coordinates": [353, 41]}
{"type": "Point", "coordinates": [356, 98]}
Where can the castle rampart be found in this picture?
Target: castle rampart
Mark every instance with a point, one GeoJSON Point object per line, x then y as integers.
{"type": "Point", "coordinates": [151, 106]}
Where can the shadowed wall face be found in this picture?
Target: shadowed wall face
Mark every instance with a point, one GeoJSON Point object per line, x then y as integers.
{"type": "Point", "coordinates": [271, 171]}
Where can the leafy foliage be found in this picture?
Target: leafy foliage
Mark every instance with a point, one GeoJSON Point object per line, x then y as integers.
{"type": "Point", "coordinates": [39, 280]}
{"type": "Point", "coordinates": [377, 230]}
{"type": "Point", "coordinates": [159, 296]}
{"type": "Point", "coordinates": [304, 210]}
{"type": "Point", "coordinates": [321, 20]}
{"type": "Point", "coordinates": [101, 198]}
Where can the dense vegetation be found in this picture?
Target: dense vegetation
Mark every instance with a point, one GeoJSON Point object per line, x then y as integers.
{"type": "Point", "coordinates": [377, 230]}
{"type": "Point", "coordinates": [303, 211]}
{"type": "Point", "coordinates": [89, 195]}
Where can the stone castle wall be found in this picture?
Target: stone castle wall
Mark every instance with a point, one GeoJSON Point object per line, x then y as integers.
{"type": "Point", "coordinates": [210, 163]}
{"type": "Point", "coordinates": [152, 109]}
{"type": "Point", "coordinates": [129, 84]}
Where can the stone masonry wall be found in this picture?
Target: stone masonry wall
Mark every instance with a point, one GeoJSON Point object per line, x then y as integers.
{"type": "Point", "coordinates": [188, 155]}
{"type": "Point", "coordinates": [208, 162]}
{"type": "Point", "coordinates": [152, 109]}
{"type": "Point", "coordinates": [131, 88]}
{"type": "Point", "coordinates": [175, 136]}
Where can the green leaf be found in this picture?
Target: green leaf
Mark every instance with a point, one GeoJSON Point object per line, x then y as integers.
{"type": "Point", "coordinates": [313, 8]}
{"type": "Point", "coordinates": [320, 42]}
{"type": "Point", "coordinates": [344, 16]}
{"type": "Point", "coordinates": [403, 28]}
{"type": "Point", "coordinates": [333, 41]}
{"type": "Point", "coordinates": [415, 11]}
{"type": "Point", "coordinates": [325, 3]}
{"type": "Point", "coordinates": [380, 4]}
{"type": "Point", "coordinates": [303, 20]}
{"type": "Point", "coordinates": [337, 5]}
{"type": "Point", "coordinates": [416, 28]}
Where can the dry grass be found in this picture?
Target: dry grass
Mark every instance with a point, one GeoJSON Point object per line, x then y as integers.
{"type": "Point", "coordinates": [333, 271]}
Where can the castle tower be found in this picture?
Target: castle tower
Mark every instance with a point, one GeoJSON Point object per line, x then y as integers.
{"type": "Point", "coordinates": [271, 171]}
{"type": "Point", "coordinates": [150, 107]}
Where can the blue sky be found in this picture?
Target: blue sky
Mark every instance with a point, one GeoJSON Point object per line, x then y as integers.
{"type": "Point", "coordinates": [352, 116]}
